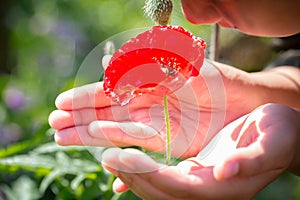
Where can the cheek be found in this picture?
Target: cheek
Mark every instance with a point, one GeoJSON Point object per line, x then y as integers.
{"type": "Point", "coordinates": [200, 11]}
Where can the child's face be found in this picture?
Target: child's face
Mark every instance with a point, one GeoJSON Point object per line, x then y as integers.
{"type": "Point", "coordinates": [254, 17]}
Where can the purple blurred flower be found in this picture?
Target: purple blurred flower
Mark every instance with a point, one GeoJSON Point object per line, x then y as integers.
{"type": "Point", "coordinates": [66, 29]}
{"type": "Point", "coordinates": [14, 98]}
{"type": "Point", "coordinates": [10, 133]}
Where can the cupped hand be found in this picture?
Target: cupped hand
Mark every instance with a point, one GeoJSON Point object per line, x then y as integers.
{"type": "Point", "coordinates": [260, 146]}
{"type": "Point", "coordinates": [198, 110]}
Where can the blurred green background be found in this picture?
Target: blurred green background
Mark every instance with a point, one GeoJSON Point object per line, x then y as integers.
{"type": "Point", "coordinates": [43, 44]}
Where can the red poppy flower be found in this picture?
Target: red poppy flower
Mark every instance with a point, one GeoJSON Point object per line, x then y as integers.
{"type": "Point", "coordinates": [157, 61]}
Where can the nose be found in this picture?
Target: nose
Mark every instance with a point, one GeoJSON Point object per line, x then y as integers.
{"type": "Point", "coordinates": [200, 11]}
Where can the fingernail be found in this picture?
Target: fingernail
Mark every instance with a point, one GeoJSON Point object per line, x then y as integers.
{"type": "Point", "coordinates": [231, 170]}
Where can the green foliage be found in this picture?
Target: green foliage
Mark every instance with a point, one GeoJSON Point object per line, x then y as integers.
{"type": "Point", "coordinates": [23, 188]}
{"type": "Point", "coordinates": [55, 172]}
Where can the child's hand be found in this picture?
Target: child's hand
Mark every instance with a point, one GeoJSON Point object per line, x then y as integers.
{"type": "Point", "coordinates": [85, 116]}
{"type": "Point", "coordinates": [266, 146]}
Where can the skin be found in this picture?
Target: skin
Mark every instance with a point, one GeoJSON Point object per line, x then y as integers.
{"type": "Point", "coordinates": [79, 120]}
{"type": "Point", "coordinates": [252, 165]}
{"type": "Point", "coordinates": [90, 118]}
{"type": "Point", "coordinates": [96, 125]}
{"type": "Point", "coordinates": [247, 164]}
{"type": "Point", "coordinates": [268, 137]}
{"type": "Point", "coordinates": [252, 17]}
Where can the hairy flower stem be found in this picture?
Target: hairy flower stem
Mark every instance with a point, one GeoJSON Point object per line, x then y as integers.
{"type": "Point", "coordinates": [159, 10]}
{"type": "Point", "coordinates": [168, 131]}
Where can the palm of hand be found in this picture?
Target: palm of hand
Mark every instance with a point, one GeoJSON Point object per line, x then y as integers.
{"type": "Point", "coordinates": [87, 117]}
{"type": "Point", "coordinates": [259, 147]}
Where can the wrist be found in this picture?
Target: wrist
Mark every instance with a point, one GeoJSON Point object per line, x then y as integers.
{"type": "Point", "coordinates": [280, 85]}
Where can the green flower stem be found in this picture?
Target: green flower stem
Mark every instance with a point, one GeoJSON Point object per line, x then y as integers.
{"type": "Point", "coordinates": [168, 131]}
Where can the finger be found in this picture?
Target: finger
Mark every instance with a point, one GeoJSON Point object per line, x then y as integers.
{"type": "Point", "coordinates": [143, 188]}
{"type": "Point", "coordinates": [230, 164]}
{"type": "Point", "coordinates": [169, 183]}
{"type": "Point", "coordinates": [250, 161]}
{"type": "Point", "coordinates": [128, 133]}
{"type": "Point", "coordinates": [80, 136]}
{"type": "Point", "coordinates": [61, 119]}
{"type": "Point", "coordinates": [259, 156]}
{"type": "Point", "coordinates": [139, 172]}
{"type": "Point", "coordinates": [88, 96]}
{"type": "Point", "coordinates": [108, 134]}
{"type": "Point", "coordinates": [129, 161]}
{"type": "Point", "coordinates": [119, 186]}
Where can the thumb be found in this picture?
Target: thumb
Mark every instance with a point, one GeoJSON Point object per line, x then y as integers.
{"type": "Point", "coordinates": [248, 161]}
{"type": "Point", "coordinates": [265, 145]}
{"type": "Point", "coordinates": [244, 161]}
